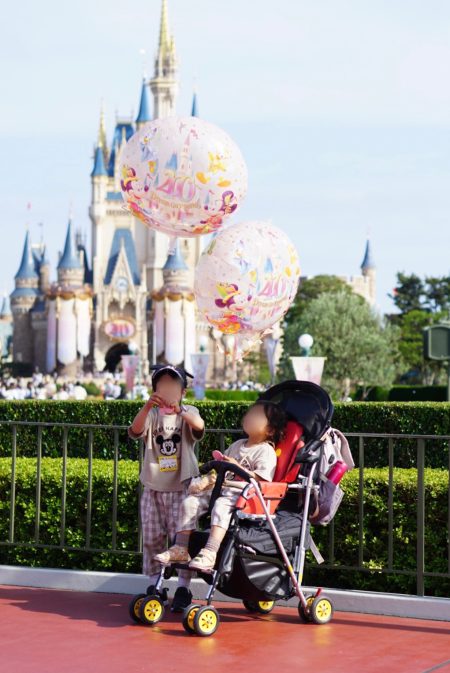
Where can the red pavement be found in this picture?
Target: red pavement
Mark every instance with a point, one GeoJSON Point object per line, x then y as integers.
{"type": "Point", "coordinates": [46, 631]}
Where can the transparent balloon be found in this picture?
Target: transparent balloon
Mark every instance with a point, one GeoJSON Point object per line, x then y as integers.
{"type": "Point", "coordinates": [182, 176]}
{"type": "Point", "coordinates": [246, 279]}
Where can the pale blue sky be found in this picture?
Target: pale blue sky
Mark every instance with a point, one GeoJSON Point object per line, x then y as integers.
{"type": "Point", "coordinates": [341, 108]}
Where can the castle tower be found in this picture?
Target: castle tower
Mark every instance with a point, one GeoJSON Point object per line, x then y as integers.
{"type": "Point", "coordinates": [174, 321]}
{"type": "Point", "coordinates": [70, 268]}
{"type": "Point", "coordinates": [369, 273]}
{"type": "Point", "coordinates": [6, 328]}
{"type": "Point", "coordinates": [23, 299]}
{"type": "Point", "coordinates": [144, 115]}
{"type": "Point", "coordinates": [164, 85]}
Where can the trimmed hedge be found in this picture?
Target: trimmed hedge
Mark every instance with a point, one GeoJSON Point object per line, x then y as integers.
{"type": "Point", "coordinates": [405, 394]}
{"type": "Point", "coordinates": [345, 528]}
{"type": "Point", "coordinates": [392, 418]}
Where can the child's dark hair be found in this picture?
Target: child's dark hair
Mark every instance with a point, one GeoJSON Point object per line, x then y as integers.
{"type": "Point", "coordinates": [175, 373]}
{"type": "Point", "coordinates": [276, 419]}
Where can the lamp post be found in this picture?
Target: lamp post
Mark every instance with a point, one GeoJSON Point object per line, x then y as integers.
{"type": "Point", "coordinates": [307, 368]}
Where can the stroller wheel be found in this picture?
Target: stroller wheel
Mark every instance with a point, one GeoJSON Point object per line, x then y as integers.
{"type": "Point", "coordinates": [134, 607]}
{"type": "Point", "coordinates": [206, 621]}
{"type": "Point", "coordinates": [263, 607]}
{"type": "Point", "coordinates": [250, 606]}
{"type": "Point", "coordinates": [188, 617]}
{"type": "Point", "coordinates": [151, 610]}
{"type": "Point", "coordinates": [305, 614]}
{"type": "Point", "coordinates": [321, 610]}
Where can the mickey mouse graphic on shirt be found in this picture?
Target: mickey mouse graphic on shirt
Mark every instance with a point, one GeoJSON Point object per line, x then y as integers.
{"type": "Point", "coordinates": [168, 445]}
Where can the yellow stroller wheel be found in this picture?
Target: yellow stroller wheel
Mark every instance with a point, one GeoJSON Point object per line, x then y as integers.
{"type": "Point", "coordinates": [134, 607]}
{"type": "Point", "coordinates": [151, 610]}
{"type": "Point", "coordinates": [206, 621]}
{"type": "Point", "coordinates": [263, 607]}
{"type": "Point", "coordinates": [321, 610]}
{"type": "Point", "coordinates": [188, 617]}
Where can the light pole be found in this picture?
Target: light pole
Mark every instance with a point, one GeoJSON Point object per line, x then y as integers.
{"type": "Point", "coordinates": [134, 350]}
{"type": "Point", "coordinates": [307, 368]}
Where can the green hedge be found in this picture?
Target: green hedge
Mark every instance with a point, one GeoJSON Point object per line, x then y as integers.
{"type": "Point", "coordinates": [345, 532]}
{"type": "Point", "coordinates": [400, 418]}
{"type": "Point", "coordinates": [405, 394]}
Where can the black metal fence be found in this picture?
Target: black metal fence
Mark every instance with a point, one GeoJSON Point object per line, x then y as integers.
{"type": "Point", "coordinates": [115, 435]}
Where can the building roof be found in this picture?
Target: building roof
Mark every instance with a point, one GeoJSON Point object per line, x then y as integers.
{"type": "Point", "coordinates": [368, 262]}
{"type": "Point", "coordinates": [24, 292]}
{"type": "Point", "coordinates": [70, 258]}
{"type": "Point", "coordinates": [122, 237]}
{"type": "Point", "coordinates": [175, 260]}
{"type": "Point", "coordinates": [194, 112]}
{"type": "Point", "coordinates": [122, 128]}
{"type": "Point", "coordinates": [5, 309]}
{"type": "Point", "coordinates": [144, 105]}
{"type": "Point", "coordinates": [99, 163]}
{"type": "Point", "coordinates": [27, 268]}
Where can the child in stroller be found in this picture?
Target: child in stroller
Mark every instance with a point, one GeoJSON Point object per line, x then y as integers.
{"type": "Point", "coordinates": [262, 557]}
{"type": "Point", "coordinates": [264, 425]}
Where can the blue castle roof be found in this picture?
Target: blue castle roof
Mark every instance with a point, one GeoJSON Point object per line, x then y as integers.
{"type": "Point", "coordinates": [99, 163]}
{"type": "Point", "coordinates": [144, 105]}
{"type": "Point", "coordinates": [27, 268]}
{"type": "Point", "coordinates": [5, 309]}
{"type": "Point", "coordinates": [122, 237]}
{"type": "Point", "coordinates": [70, 258]}
{"type": "Point", "coordinates": [194, 112]}
{"type": "Point", "coordinates": [117, 139]}
{"type": "Point", "coordinates": [368, 262]}
{"type": "Point", "coordinates": [175, 260]}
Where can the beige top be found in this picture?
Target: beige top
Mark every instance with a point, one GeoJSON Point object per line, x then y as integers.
{"type": "Point", "coordinates": [259, 458]}
{"type": "Point", "coordinates": [169, 459]}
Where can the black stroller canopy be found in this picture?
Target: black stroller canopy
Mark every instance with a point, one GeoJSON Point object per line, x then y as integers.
{"type": "Point", "coordinates": [304, 402]}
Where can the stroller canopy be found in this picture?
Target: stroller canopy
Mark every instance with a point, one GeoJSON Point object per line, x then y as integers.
{"type": "Point", "coordinates": [304, 402]}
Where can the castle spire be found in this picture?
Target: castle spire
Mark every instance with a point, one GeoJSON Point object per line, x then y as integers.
{"type": "Point", "coordinates": [70, 258]}
{"type": "Point", "coordinates": [165, 41]}
{"type": "Point", "coordinates": [101, 139]}
{"type": "Point", "coordinates": [27, 268]}
{"type": "Point", "coordinates": [164, 85]}
{"type": "Point", "coordinates": [194, 111]}
{"type": "Point", "coordinates": [99, 163]}
{"type": "Point", "coordinates": [367, 262]}
{"type": "Point", "coordinates": [144, 106]}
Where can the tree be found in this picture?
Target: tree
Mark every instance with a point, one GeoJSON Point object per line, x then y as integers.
{"type": "Point", "coordinates": [411, 327]}
{"type": "Point", "coordinates": [409, 293]}
{"type": "Point", "coordinates": [311, 288]}
{"type": "Point", "coordinates": [360, 349]}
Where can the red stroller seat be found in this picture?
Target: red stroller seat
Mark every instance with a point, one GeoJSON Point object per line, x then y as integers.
{"type": "Point", "coordinates": [285, 473]}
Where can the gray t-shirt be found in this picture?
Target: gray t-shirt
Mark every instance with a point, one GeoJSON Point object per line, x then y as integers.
{"type": "Point", "coordinates": [169, 459]}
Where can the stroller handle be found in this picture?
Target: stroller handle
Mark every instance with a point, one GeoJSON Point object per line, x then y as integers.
{"type": "Point", "coordinates": [223, 466]}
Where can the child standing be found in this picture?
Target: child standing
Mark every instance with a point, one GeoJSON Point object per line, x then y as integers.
{"type": "Point", "coordinates": [264, 424]}
{"type": "Point", "coordinates": [170, 430]}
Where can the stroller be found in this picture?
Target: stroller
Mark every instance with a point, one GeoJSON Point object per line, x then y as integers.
{"type": "Point", "coordinates": [262, 557]}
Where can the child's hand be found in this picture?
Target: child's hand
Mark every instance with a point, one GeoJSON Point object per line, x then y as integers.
{"type": "Point", "coordinates": [175, 406]}
{"type": "Point", "coordinates": [154, 401]}
{"type": "Point", "coordinates": [228, 459]}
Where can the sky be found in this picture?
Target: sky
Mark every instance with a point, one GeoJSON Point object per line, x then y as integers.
{"type": "Point", "coordinates": [340, 107]}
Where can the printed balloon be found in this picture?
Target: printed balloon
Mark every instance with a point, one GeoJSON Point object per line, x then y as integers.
{"type": "Point", "coordinates": [182, 176]}
{"type": "Point", "coordinates": [246, 279]}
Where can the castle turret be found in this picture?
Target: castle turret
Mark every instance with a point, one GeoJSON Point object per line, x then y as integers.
{"type": "Point", "coordinates": [70, 268]}
{"type": "Point", "coordinates": [164, 84]}
{"type": "Point", "coordinates": [144, 115]}
{"type": "Point", "coordinates": [194, 111]}
{"type": "Point", "coordinates": [23, 299]}
{"type": "Point", "coordinates": [369, 272]}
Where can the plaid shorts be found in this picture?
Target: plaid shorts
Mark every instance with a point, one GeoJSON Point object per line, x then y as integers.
{"type": "Point", "coordinates": [159, 519]}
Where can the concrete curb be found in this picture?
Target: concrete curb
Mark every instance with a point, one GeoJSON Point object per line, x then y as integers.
{"type": "Point", "coordinates": [395, 605]}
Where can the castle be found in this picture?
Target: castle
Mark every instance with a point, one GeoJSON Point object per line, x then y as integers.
{"type": "Point", "coordinates": [132, 291]}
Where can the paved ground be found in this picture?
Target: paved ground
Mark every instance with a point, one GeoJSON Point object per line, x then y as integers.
{"type": "Point", "coordinates": [49, 631]}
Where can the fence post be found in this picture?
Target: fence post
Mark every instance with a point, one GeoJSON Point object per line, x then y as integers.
{"type": "Point", "coordinates": [420, 517]}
